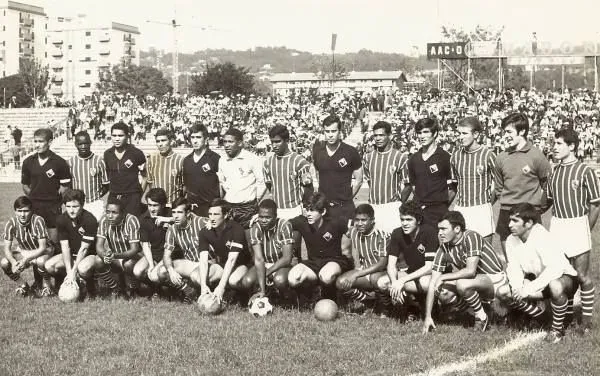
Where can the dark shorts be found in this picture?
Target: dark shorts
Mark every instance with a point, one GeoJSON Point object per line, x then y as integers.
{"type": "Point", "coordinates": [199, 207]}
{"type": "Point", "coordinates": [434, 212]}
{"type": "Point", "coordinates": [49, 210]}
{"type": "Point", "coordinates": [243, 213]}
{"type": "Point", "coordinates": [317, 264]}
{"type": "Point", "coordinates": [344, 210]}
{"type": "Point", "coordinates": [132, 202]}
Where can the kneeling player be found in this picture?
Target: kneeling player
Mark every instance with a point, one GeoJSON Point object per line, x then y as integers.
{"type": "Point", "coordinates": [31, 234]}
{"type": "Point", "coordinates": [228, 240]}
{"type": "Point", "coordinates": [368, 249]}
{"type": "Point", "coordinates": [77, 229]}
{"type": "Point", "coordinates": [476, 274]}
{"type": "Point", "coordinates": [271, 240]}
{"type": "Point", "coordinates": [531, 251]}
{"type": "Point", "coordinates": [416, 244]}
{"type": "Point", "coordinates": [323, 237]}
{"type": "Point", "coordinates": [117, 247]}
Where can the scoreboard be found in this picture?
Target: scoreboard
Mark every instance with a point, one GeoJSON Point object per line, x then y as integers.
{"type": "Point", "coordinates": [454, 50]}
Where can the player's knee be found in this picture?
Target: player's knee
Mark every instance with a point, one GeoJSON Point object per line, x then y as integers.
{"type": "Point", "coordinates": [50, 267]}
{"type": "Point", "coordinates": [235, 282]}
{"type": "Point", "coordinates": [339, 283]}
{"type": "Point", "coordinates": [463, 287]}
{"type": "Point", "coordinates": [503, 293]}
{"type": "Point", "coordinates": [294, 279]}
{"type": "Point", "coordinates": [584, 281]}
{"type": "Point", "coordinates": [280, 281]}
{"type": "Point", "coordinates": [327, 278]}
{"type": "Point", "coordinates": [445, 296]}
{"type": "Point", "coordinates": [383, 283]}
{"type": "Point", "coordinates": [139, 271]}
{"type": "Point", "coordinates": [248, 282]}
{"type": "Point", "coordinates": [556, 288]}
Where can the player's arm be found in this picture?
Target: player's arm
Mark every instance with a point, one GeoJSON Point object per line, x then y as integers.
{"type": "Point", "coordinates": [284, 261]}
{"type": "Point", "coordinates": [267, 176]}
{"type": "Point", "coordinates": [347, 248]}
{"type": "Point", "coordinates": [174, 277]}
{"type": "Point", "coordinates": [203, 268]}
{"type": "Point", "coordinates": [26, 189]}
{"type": "Point", "coordinates": [64, 176]}
{"type": "Point", "coordinates": [306, 179]}
{"type": "Point", "coordinates": [66, 255]}
{"type": "Point", "coordinates": [143, 172]}
{"type": "Point", "coordinates": [102, 249]}
{"type": "Point", "coordinates": [358, 180]}
{"type": "Point", "coordinates": [25, 178]}
{"type": "Point", "coordinates": [8, 253]}
{"type": "Point", "coordinates": [451, 192]}
{"type": "Point", "coordinates": [259, 264]}
{"type": "Point", "coordinates": [227, 269]}
{"type": "Point", "coordinates": [594, 213]}
{"type": "Point", "coordinates": [431, 292]}
{"type": "Point", "coordinates": [468, 272]}
{"type": "Point", "coordinates": [257, 168]}
{"type": "Point", "coordinates": [147, 252]}
{"type": "Point", "coordinates": [379, 266]}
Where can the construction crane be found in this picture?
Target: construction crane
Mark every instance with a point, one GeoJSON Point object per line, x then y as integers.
{"type": "Point", "coordinates": [175, 25]}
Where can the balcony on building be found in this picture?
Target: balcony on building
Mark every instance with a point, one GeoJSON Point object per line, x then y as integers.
{"type": "Point", "coordinates": [26, 51]}
{"type": "Point", "coordinates": [26, 35]}
{"type": "Point", "coordinates": [103, 63]}
{"type": "Point", "coordinates": [127, 38]}
{"type": "Point", "coordinates": [132, 53]}
{"type": "Point", "coordinates": [57, 52]}
{"type": "Point", "coordinates": [57, 77]}
{"type": "Point", "coordinates": [56, 65]}
{"type": "Point", "coordinates": [57, 90]}
{"type": "Point", "coordinates": [56, 39]}
{"type": "Point", "coordinates": [26, 22]}
{"type": "Point", "coordinates": [104, 51]}
{"type": "Point", "coordinates": [105, 37]}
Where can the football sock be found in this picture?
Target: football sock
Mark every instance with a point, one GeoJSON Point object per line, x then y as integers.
{"type": "Point", "coordinates": [384, 298]}
{"type": "Point", "coordinates": [187, 291]}
{"type": "Point", "coordinates": [460, 305]}
{"type": "Point", "coordinates": [558, 315]}
{"type": "Point", "coordinates": [106, 277]}
{"type": "Point", "coordinates": [569, 312]}
{"type": "Point", "coordinates": [356, 295]}
{"type": "Point", "coordinates": [47, 280]}
{"type": "Point", "coordinates": [13, 276]}
{"type": "Point", "coordinates": [587, 303]}
{"type": "Point", "coordinates": [530, 309]}
{"type": "Point", "coordinates": [474, 303]}
{"type": "Point", "coordinates": [37, 277]}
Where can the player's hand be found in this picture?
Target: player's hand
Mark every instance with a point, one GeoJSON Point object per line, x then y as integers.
{"type": "Point", "coordinates": [219, 292]}
{"type": "Point", "coordinates": [18, 266]}
{"type": "Point", "coordinates": [205, 290]}
{"type": "Point", "coordinates": [258, 295]}
{"type": "Point", "coordinates": [428, 325]}
{"type": "Point", "coordinates": [108, 258]}
{"type": "Point", "coordinates": [396, 291]}
{"type": "Point", "coordinates": [162, 220]}
{"type": "Point", "coordinates": [175, 278]}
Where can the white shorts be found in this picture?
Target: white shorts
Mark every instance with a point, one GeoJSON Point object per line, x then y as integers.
{"type": "Point", "coordinates": [387, 216]}
{"type": "Point", "coordinates": [96, 208]}
{"type": "Point", "coordinates": [572, 234]}
{"type": "Point", "coordinates": [478, 218]}
{"type": "Point", "coordinates": [289, 213]}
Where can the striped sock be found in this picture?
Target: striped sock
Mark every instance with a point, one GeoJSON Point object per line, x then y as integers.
{"type": "Point", "coordinates": [530, 309]}
{"type": "Point", "coordinates": [383, 298]}
{"type": "Point", "coordinates": [187, 291]}
{"type": "Point", "coordinates": [569, 312]}
{"type": "Point", "coordinates": [14, 276]}
{"type": "Point", "coordinates": [587, 302]}
{"type": "Point", "coordinates": [460, 305]}
{"type": "Point", "coordinates": [106, 277]}
{"type": "Point", "coordinates": [474, 303]}
{"type": "Point", "coordinates": [356, 295]}
{"type": "Point", "coordinates": [558, 315]}
{"type": "Point", "coordinates": [134, 284]}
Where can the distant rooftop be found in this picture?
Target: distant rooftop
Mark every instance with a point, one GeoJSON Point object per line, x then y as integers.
{"type": "Point", "coordinates": [14, 5]}
{"type": "Point", "coordinates": [367, 75]}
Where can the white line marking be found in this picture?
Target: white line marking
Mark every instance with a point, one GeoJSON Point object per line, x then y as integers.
{"type": "Point", "coordinates": [470, 364]}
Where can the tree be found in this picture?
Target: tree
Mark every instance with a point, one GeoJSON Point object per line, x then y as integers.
{"type": "Point", "coordinates": [226, 78]}
{"type": "Point", "coordinates": [135, 80]}
{"type": "Point", "coordinates": [35, 77]}
{"type": "Point", "coordinates": [324, 68]}
{"type": "Point", "coordinates": [13, 86]}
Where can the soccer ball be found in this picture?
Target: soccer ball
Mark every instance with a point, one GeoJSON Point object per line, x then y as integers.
{"type": "Point", "coordinates": [261, 307]}
{"type": "Point", "coordinates": [68, 292]}
{"type": "Point", "coordinates": [210, 304]}
{"type": "Point", "coordinates": [326, 310]}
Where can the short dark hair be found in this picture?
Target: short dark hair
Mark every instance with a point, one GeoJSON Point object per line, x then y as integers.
{"type": "Point", "coordinates": [236, 133]}
{"type": "Point", "coordinates": [82, 134]}
{"type": "Point", "coordinates": [365, 209]}
{"type": "Point", "coordinates": [268, 204]}
{"type": "Point", "coordinates": [456, 219]}
{"type": "Point", "coordinates": [157, 195]}
{"type": "Point", "coordinates": [413, 209]}
{"type": "Point", "coordinates": [315, 201]}
{"type": "Point", "coordinates": [526, 212]}
{"type": "Point", "coordinates": [45, 133]}
{"type": "Point", "coordinates": [569, 136]}
{"type": "Point", "coordinates": [517, 120]}
{"type": "Point", "coordinates": [74, 195]}
{"type": "Point", "coordinates": [281, 131]}
{"type": "Point", "coordinates": [181, 201]}
{"type": "Point", "coordinates": [331, 119]}
{"type": "Point", "coordinates": [471, 122]}
{"type": "Point", "coordinates": [23, 202]}
{"type": "Point", "coordinates": [383, 125]}
{"type": "Point", "coordinates": [224, 205]}
{"type": "Point", "coordinates": [117, 202]}
{"type": "Point", "coordinates": [121, 127]}
{"type": "Point", "coordinates": [428, 123]}
{"type": "Point", "coordinates": [199, 128]}
{"type": "Point", "coordinates": [164, 132]}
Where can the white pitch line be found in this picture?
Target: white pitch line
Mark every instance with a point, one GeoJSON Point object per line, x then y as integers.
{"type": "Point", "coordinates": [471, 363]}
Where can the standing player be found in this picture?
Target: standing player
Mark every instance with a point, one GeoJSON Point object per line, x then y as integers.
{"type": "Point", "coordinates": [429, 174]}
{"type": "Point", "coordinates": [89, 174]}
{"type": "Point", "coordinates": [226, 237]}
{"type": "Point", "coordinates": [271, 240]}
{"type": "Point", "coordinates": [77, 230]}
{"type": "Point", "coordinates": [125, 166]}
{"type": "Point", "coordinates": [384, 170]}
{"type": "Point", "coordinates": [241, 178]}
{"type": "Point", "coordinates": [521, 172]}
{"type": "Point", "coordinates": [369, 252]}
{"type": "Point", "coordinates": [536, 268]}
{"type": "Point", "coordinates": [575, 198]}
{"type": "Point", "coordinates": [473, 166]}
{"type": "Point", "coordinates": [477, 271]}
{"type": "Point", "coordinates": [33, 248]}
{"type": "Point", "coordinates": [287, 174]}
{"type": "Point", "coordinates": [165, 168]}
{"type": "Point", "coordinates": [117, 247]}
{"type": "Point", "coordinates": [200, 169]}
{"type": "Point", "coordinates": [325, 242]}
{"type": "Point", "coordinates": [337, 163]}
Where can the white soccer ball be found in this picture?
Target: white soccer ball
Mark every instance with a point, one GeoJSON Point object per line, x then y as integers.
{"type": "Point", "coordinates": [261, 307]}
{"type": "Point", "coordinates": [68, 292]}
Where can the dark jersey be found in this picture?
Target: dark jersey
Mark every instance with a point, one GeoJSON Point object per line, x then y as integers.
{"type": "Point", "coordinates": [153, 234]}
{"type": "Point", "coordinates": [81, 230]}
{"type": "Point", "coordinates": [45, 180]}
{"type": "Point", "coordinates": [230, 239]}
{"type": "Point", "coordinates": [414, 253]}
{"type": "Point", "coordinates": [335, 172]}
{"type": "Point", "coordinates": [323, 242]}
{"type": "Point", "coordinates": [123, 173]}
{"type": "Point", "coordinates": [430, 178]}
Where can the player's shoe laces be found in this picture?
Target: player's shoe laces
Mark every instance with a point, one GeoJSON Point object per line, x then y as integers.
{"type": "Point", "coordinates": [46, 292]}
{"type": "Point", "coordinates": [481, 325]}
{"type": "Point", "coordinates": [553, 336]}
{"type": "Point", "coordinates": [356, 307]}
{"type": "Point", "coordinates": [585, 328]}
{"type": "Point", "coordinates": [22, 290]}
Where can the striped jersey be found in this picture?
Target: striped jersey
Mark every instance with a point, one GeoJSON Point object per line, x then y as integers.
{"type": "Point", "coordinates": [473, 171]}
{"type": "Point", "coordinates": [89, 175]}
{"type": "Point", "coordinates": [371, 247]}
{"type": "Point", "coordinates": [285, 174]}
{"type": "Point", "coordinates": [384, 172]}
{"type": "Point", "coordinates": [572, 186]}
{"type": "Point", "coordinates": [166, 172]}
{"type": "Point", "coordinates": [26, 235]}
{"type": "Point", "coordinates": [470, 245]}
{"type": "Point", "coordinates": [186, 238]}
{"type": "Point", "coordinates": [273, 239]}
{"type": "Point", "coordinates": [120, 236]}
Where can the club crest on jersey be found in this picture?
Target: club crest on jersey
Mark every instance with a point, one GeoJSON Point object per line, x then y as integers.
{"type": "Point", "coordinates": [128, 163]}
{"type": "Point", "coordinates": [50, 173]}
{"type": "Point", "coordinates": [421, 249]}
{"type": "Point", "coordinates": [526, 169]}
{"type": "Point", "coordinates": [575, 184]}
{"type": "Point", "coordinates": [81, 231]}
{"type": "Point", "coordinates": [244, 172]}
{"type": "Point", "coordinates": [392, 169]}
{"type": "Point", "coordinates": [293, 175]}
{"type": "Point", "coordinates": [480, 169]}
{"type": "Point", "coordinates": [327, 236]}
{"type": "Point", "coordinates": [433, 168]}
{"type": "Point", "coordinates": [206, 167]}
{"type": "Point", "coordinates": [343, 162]}
{"type": "Point", "coordinates": [174, 173]}
{"type": "Point", "coordinates": [93, 171]}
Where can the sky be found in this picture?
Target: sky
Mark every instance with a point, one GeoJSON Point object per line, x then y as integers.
{"type": "Point", "coordinates": [307, 25]}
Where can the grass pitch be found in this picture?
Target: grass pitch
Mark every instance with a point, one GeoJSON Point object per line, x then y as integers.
{"type": "Point", "coordinates": [139, 337]}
